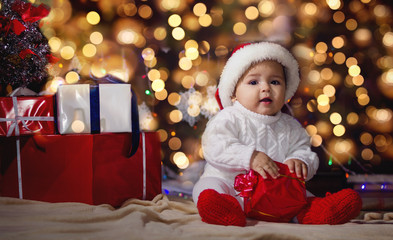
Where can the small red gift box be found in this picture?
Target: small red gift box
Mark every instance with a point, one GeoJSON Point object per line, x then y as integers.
{"type": "Point", "coordinates": [26, 115]}
{"type": "Point", "coordinates": [88, 168]}
{"type": "Point", "coordinates": [272, 200]}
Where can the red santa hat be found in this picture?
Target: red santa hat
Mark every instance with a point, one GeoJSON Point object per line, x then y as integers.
{"type": "Point", "coordinates": [243, 56]}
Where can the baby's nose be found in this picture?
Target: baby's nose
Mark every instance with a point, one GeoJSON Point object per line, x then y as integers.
{"type": "Point", "coordinates": [265, 87]}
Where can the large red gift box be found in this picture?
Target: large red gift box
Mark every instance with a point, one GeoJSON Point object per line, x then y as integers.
{"type": "Point", "coordinates": [117, 177]}
{"type": "Point", "coordinates": [88, 168]}
{"type": "Point", "coordinates": [53, 168]}
{"type": "Point", "coordinates": [272, 200]}
{"type": "Point", "coordinates": [26, 115]}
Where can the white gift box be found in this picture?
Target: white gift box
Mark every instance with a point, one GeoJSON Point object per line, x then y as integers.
{"type": "Point", "coordinates": [85, 108]}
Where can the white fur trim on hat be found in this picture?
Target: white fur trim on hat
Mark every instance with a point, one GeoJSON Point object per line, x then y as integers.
{"type": "Point", "coordinates": [245, 56]}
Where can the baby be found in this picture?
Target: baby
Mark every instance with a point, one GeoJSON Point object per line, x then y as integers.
{"type": "Point", "coordinates": [251, 132]}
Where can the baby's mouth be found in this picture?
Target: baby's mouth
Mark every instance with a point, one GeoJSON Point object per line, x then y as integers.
{"type": "Point", "coordinates": [266, 100]}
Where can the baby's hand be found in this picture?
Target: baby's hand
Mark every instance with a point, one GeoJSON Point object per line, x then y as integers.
{"type": "Point", "coordinates": [297, 166]}
{"type": "Point", "coordinates": [263, 164]}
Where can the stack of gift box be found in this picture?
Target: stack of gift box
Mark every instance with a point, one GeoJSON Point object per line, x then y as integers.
{"type": "Point", "coordinates": [81, 145]}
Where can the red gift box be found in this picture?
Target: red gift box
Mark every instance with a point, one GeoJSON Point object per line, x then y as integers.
{"type": "Point", "coordinates": [53, 168]}
{"type": "Point", "coordinates": [118, 177]}
{"type": "Point", "coordinates": [88, 168]}
{"type": "Point", "coordinates": [272, 200]}
{"type": "Point", "coordinates": [26, 115]}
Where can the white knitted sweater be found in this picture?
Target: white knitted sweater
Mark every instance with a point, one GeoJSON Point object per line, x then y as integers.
{"type": "Point", "coordinates": [235, 132]}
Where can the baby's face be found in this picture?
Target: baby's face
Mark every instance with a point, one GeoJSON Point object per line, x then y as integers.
{"type": "Point", "coordinates": [262, 88]}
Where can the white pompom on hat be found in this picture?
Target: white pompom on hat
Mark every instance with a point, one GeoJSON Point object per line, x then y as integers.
{"type": "Point", "coordinates": [244, 56]}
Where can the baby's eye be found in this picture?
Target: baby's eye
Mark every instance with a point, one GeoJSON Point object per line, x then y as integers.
{"type": "Point", "coordinates": [275, 82]}
{"type": "Point", "coordinates": [253, 82]}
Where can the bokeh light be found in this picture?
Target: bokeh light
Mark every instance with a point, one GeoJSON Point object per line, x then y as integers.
{"type": "Point", "coordinates": [366, 138]}
{"type": "Point", "coordinates": [158, 85]}
{"type": "Point", "coordinates": [338, 42]}
{"type": "Point", "coordinates": [178, 33]}
{"type": "Point", "coordinates": [96, 38]}
{"type": "Point", "coordinates": [388, 39]}
{"type": "Point", "coordinates": [352, 118]}
{"type": "Point", "coordinates": [354, 70]}
{"type": "Point", "coordinates": [54, 43]}
{"type": "Point", "coordinates": [339, 17]}
{"type": "Point", "coordinates": [252, 13]}
{"type": "Point", "coordinates": [67, 52]}
{"type": "Point", "coordinates": [161, 95]}
{"type": "Point", "coordinates": [181, 160]}
{"type": "Point", "coordinates": [339, 58]}
{"type": "Point", "coordinates": [188, 82]}
{"type": "Point", "coordinates": [72, 77]}
{"type": "Point", "coordinates": [174, 99]}
{"type": "Point", "coordinates": [153, 74]}
{"type": "Point", "coordinates": [192, 53]}
{"type": "Point", "coordinates": [323, 100]}
{"type": "Point", "coordinates": [145, 12]}
{"type": "Point", "coordinates": [205, 20]}
{"type": "Point", "coordinates": [93, 18]}
{"type": "Point", "coordinates": [311, 130]}
{"type": "Point", "coordinates": [367, 154]}
{"type": "Point", "coordinates": [175, 116]}
{"type": "Point", "coordinates": [351, 24]}
{"type": "Point", "coordinates": [310, 8]}
{"type": "Point", "coordinates": [334, 4]}
{"type": "Point", "coordinates": [185, 63]}
{"type": "Point", "coordinates": [174, 20]}
{"type": "Point", "coordinates": [127, 36]}
{"type": "Point", "coordinates": [148, 54]}
{"type": "Point", "coordinates": [163, 134]}
{"type": "Point", "coordinates": [199, 9]}
{"type": "Point", "coordinates": [174, 143]}
{"type": "Point", "coordinates": [335, 118]}
{"type": "Point", "coordinates": [89, 50]}
{"type": "Point", "coordinates": [239, 28]}
{"type": "Point", "coordinates": [160, 33]}
{"type": "Point", "coordinates": [266, 8]}
{"type": "Point", "coordinates": [78, 126]}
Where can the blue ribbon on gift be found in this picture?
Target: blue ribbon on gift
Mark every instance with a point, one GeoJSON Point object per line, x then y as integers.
{"type": "Point", "coordinates": [95, 111]}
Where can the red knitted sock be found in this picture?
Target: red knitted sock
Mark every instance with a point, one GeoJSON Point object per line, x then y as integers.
{"type": "Point", "coordinates": [337, 208]}
{"type": "Point", "coordinates": [221, 209]}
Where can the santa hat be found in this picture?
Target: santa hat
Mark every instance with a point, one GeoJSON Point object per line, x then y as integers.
{"type": "Point", "coordinates": [243, 56]}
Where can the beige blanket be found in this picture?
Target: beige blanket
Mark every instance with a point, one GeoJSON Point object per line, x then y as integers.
{"type": "Point", "coordinates": [161, 218]}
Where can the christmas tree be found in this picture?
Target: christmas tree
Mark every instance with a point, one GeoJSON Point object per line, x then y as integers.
{"type": "Point", "coordinates": [24, 50]}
